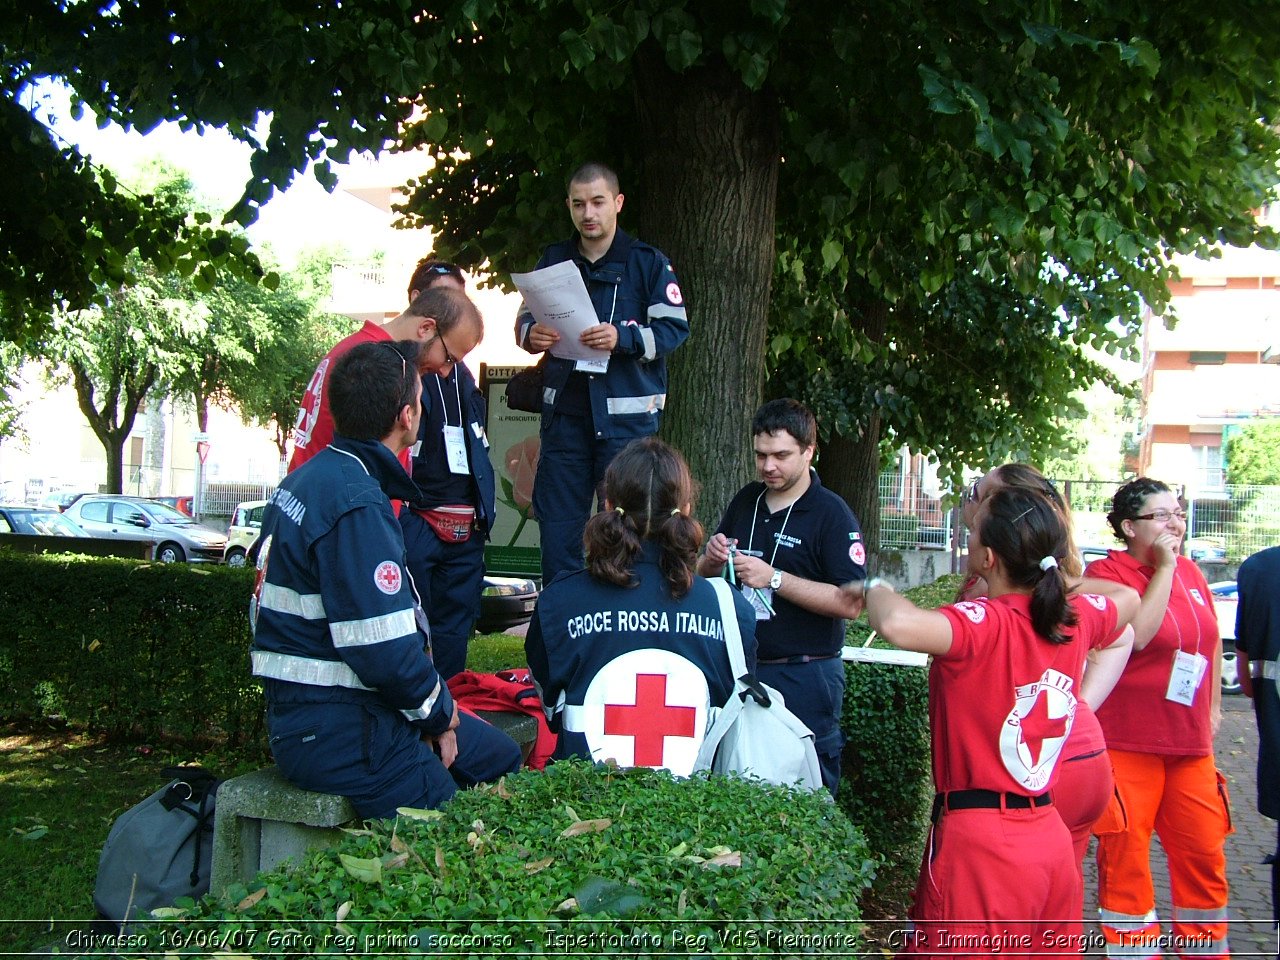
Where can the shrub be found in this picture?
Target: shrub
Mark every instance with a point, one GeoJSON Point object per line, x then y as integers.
{"type": "Point", "coordinates": [128, 647]}
{"type": "Point", "coordinates": [886, 779]}
{"type": "Point", "coordinates": [634, 862]}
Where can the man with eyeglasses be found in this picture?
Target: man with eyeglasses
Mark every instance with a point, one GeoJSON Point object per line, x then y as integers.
{"type": "Point", "coordinates": [435, 314]}
{"type": "Point", "coordinates": [591, 409]}
{"type": "Point", "coordinates": [445, 528]}
{"type": "Point", "coordinates": [355, 705]}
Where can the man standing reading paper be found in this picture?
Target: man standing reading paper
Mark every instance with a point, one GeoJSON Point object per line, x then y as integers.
{"type": "Point", "coordinates": [591, 409]}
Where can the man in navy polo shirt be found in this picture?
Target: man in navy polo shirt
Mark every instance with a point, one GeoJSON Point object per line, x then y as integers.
{"type": "Point", "coordinates": [792, 543]}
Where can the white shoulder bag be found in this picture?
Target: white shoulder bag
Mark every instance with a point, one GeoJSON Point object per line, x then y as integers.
{"type": "Point", "coordinates": [754, 734]}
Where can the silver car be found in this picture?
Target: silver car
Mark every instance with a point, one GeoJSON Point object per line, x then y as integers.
{"type": "Point", "coordinates": [177, 537]}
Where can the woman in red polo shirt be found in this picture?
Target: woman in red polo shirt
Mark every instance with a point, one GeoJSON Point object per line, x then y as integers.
{"type": "Point", "coordinates": [1159, 723]}
{"type": "Point", "coordinates": [998, 875]}
{"type": "Point", "coordinates": [1085, 786]}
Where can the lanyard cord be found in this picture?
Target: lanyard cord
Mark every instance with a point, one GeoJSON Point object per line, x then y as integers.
{"type": "Point", "coordinates": [1169, 614]}
{"type": "Point", "coordinates": [777, 537]}
{"type": "Point", "coordinates": [444, 410]}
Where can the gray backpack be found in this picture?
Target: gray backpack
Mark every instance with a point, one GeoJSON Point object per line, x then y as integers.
{"type": "Point", "coordinates": [159, 850]}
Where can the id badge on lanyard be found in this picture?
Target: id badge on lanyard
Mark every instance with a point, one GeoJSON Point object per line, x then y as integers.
{"type": "Point", "coordinates": [760, 599]}
{"type": "Point", "coordinates": [455, 450]}
{"type": "Point", "coordinates": [1184, 680]}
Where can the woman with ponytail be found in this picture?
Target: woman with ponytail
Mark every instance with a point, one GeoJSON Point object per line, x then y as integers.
{"type": "Point", "coordinates": [629, 654]}
{"type": "Point", "coordinates": [1085, 787]}
{"type": "Point", "coordinates": [1004, 685]}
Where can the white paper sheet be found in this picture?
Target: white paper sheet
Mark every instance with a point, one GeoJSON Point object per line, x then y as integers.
{"type": "Point", "coordinates": [557, 297]}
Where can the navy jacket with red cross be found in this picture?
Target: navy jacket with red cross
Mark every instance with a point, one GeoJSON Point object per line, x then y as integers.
{"type": "Point", "coordinates": [334, 614]}
{"type": "Point", "coordinates": [631, 673]}
{"type": "Point", "coordinates": [634, 288]}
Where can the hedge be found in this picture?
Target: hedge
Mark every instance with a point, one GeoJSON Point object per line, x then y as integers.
{"type": "Point", "coordinates": [887, 783]}
{"type": "Point", "coordinates": [582, 860]}
{"type": "Point", "coordinates": [152, 650]}
{"type": "Point", "coordinates": [129, 647]}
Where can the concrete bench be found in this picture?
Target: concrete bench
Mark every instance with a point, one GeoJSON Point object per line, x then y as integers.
{"type": "Point", "coordinates": [261, 819]}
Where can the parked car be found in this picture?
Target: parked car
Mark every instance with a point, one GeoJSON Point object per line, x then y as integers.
{"type": "Point", "coordinates": [506, 602]}
{"type": "Point", "coordinates": [1225, 601]}
{"type": "Point", "coordinates": [185, 505]}
{"type": "Point", "coordinates": [1206, 549]}
{"type": "Point", "coordinates": [246, 524]}
{"type": "Point", "coordinates": [178, 538]}
{"type": "Point", "coordinates": [61, 500]}
{"type": "Point", "coordinates": [37, 522]}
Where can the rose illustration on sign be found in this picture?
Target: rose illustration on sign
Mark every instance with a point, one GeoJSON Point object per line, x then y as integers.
{"type": "Point", "coordinates": [519, 467]}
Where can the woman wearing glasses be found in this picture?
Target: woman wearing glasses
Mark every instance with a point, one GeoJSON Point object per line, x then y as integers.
{"type": "Point", "coordinates": [1159, 723]}
{"type": "Point", "coordinates": [1085, 787]}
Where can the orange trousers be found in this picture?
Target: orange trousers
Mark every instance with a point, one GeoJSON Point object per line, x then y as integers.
{"type": "Point", "coordinates": [1184, 800]}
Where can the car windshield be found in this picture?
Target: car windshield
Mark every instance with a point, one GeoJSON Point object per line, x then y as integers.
{"type": "Point", "coordinates": [165, 514]}
{"type": "Point", "coordinates": [44, 523]}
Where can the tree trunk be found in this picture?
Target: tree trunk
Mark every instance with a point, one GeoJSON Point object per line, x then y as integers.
{"type": "Point", "coordinates": [111, 425]}
{"type": "Point", "coordinates": [850, 465]}
{"type": "Point", "coordinates": [708, 199]}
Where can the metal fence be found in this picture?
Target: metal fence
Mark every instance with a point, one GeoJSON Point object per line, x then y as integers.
{"type": "Point", "coordinates": [1222, 525]}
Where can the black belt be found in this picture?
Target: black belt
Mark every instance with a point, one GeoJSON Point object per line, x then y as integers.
{"type": "Point", "coordinates": [986, 800]}
{"type": "Point", "coordinates": [802, 658]}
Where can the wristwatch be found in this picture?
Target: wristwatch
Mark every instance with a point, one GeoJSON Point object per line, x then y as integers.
{"type": "Point", "coordinates": [775, 582]}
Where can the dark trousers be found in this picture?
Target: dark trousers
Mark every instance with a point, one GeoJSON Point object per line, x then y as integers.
{"type": "Point", "coordinates": [571, 466]}
{"type": "Point", "coordinates": [370, 754]}
{"type": "Point", "coordinates": [449, 578]}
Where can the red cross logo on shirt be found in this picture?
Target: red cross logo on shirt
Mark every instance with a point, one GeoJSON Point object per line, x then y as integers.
{"type": "Point", "coordinates": [650, 720]}
{"type": "Point", "coordinates": [1038, 726]}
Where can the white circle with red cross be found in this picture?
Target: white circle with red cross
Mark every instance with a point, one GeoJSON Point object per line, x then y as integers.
{"type": "Point", "coordinates": [387, 577]}
{"type": "Point", "coordinates": [1032, 735]}
{"type": "Point", "coordinates": [647, 708]}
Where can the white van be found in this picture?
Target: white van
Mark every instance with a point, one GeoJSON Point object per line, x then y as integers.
{"type": "Point", "coordinates": [246, 524]}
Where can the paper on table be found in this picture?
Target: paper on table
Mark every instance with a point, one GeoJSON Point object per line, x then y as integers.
{"type": "Point", "coordinates": [557, 297]}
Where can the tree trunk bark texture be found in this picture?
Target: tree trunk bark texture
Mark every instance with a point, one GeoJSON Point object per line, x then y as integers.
{"type": "Point", "coordinates": [850, 465]}
{"type": "Point", "coordinates": [708, 199]}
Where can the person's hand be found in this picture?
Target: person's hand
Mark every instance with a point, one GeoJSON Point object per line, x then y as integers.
{"type": "Point", "coordinates": [1165, 549]}
{"type": "Point", "coordinates": [718, 549]}
{"type": "Point", "coordinates": [542, 337]}
{"type": "Point", "coordinates": [752, 571]}
{"type": "Point", "coordinates": [447, 747]}
{"type": "Point", "coordinates": [1215, 721]}
{"type": "Point", "coordinates": [457, 717]}
{"type": "Point", "coordinates": [854, 595]}
{"type": "Point", "coordinates": [603, 336]}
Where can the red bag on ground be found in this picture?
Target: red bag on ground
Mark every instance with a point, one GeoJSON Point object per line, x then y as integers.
{"type": "Point", "coordinates": [511, 691]}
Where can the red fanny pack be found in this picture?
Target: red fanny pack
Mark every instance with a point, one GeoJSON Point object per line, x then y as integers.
{"type": "Point", "coordinates": [452, 524]}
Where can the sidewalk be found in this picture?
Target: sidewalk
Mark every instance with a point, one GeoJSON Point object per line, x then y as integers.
{"type": "Point", "coordinates": [1252, 932]}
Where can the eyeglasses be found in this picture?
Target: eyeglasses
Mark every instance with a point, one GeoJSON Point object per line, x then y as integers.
{"type": "Point", "coordinates": [449, 358]}
{"type": "Point", "coordinates": [1162, 516]}
{"type": "Point", "coordinates": [404, 367]}
{"type": "Point", "coordinates": [971, 491]}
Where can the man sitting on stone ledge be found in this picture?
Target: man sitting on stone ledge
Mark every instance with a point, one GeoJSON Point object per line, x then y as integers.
{"type": "Point", "coordinates": [354, 704]}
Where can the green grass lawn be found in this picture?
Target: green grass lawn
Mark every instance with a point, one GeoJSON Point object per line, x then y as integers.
{"type": "Point", "coordinates": [61, 789]}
